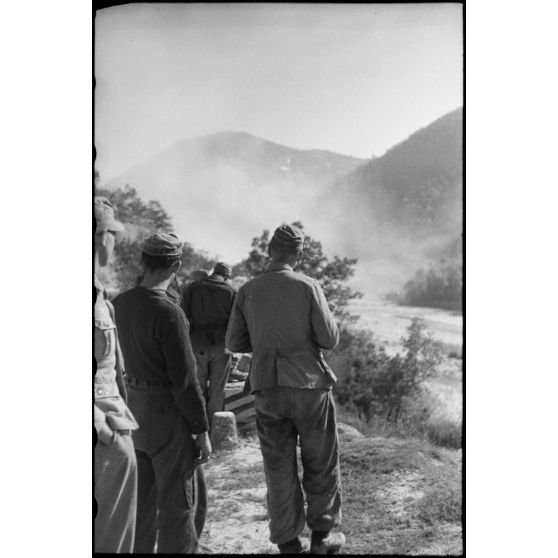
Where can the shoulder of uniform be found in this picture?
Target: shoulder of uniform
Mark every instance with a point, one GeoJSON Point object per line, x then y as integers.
{"type": "Point", "coordinates": [121, 297]}
{"type": "Point", "coordinates": [169, 306]}
{"type": "Point", "coordinates": [301, 278]}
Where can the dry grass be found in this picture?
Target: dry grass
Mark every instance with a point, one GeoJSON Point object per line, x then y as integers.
{"type": "Point", "coordinates": [399, 497]}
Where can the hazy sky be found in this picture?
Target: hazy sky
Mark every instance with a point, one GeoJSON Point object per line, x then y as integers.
{"type": "Point", "coordinates": [354, 79]}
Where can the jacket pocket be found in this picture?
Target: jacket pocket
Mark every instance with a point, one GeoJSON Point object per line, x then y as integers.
{"type": "Point", "coordinates": [300, 369]}
{"type": "Point", "coordinates": [105, 338]}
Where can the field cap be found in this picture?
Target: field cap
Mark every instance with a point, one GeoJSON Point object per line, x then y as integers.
{"type": "Point", "coordinates": [287, 237]}
{"type": "Point", "coordinates": [104, 216]}
{"type": "Point", "coordinates": [162, 244]}
{"type": "Point", "coordinates": [221, 268]}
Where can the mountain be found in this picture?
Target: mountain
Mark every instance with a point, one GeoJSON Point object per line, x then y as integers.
{"type": "Point", "coordinates": [396, 213]}
{"type": "Point", "coordinates": [416, 185]}
{"type": "Point", "coordinates": [225, 188]}
{"type": "Point", "coordinates": [405, 206]}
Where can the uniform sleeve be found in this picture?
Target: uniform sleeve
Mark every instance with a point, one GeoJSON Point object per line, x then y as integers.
{"type": "Point", "coordinates": [104, 431]}
{"type": "Point", "coordinates": [119, 358]}
{"type": "Point", "coordinates": [182, 371]}
{"type": "Point", "coordinates": [326, 332]}
{"type": "Point", "coordinates": [237, 338]}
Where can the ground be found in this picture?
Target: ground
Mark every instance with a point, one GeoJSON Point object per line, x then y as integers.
{"type": "Point", "coordinates": [400, 496]}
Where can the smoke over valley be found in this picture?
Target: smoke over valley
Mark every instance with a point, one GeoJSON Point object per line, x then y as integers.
{"type": "Point", "coordinates": [395, 213]}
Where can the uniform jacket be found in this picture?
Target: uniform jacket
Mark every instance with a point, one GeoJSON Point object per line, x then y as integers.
{"type": "Point", "coordinates": [207, 305]}
{"type": "Point", "coordinates": [283, 319]}
{"type": "Point", "coordinates": [156, 344]}
{"type": "Point", "coordinates": [109, 391]}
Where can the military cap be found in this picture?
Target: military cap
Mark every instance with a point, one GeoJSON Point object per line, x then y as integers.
{"type": "Point", "coordinates": [221, 268]}
{"type": "Point", "coordinates": [287, 237]}
{"type": "Point", "coordinates": [104, 216]}
{"type": "Point", "coordinates": [163, 244]}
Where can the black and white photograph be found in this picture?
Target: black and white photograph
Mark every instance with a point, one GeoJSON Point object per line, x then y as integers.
{"type": "Point", "coordinates": [278, 277]}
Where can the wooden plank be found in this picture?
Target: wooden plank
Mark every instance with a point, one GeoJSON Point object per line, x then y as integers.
{"type": "Point", "coordinates": [240, 402]}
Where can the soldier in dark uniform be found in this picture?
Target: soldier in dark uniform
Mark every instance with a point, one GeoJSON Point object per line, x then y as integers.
{"type": "Point", "coordinates": [165, 397]}
{"type": "Point", "coordinates": [207, 305]}
{"type": "Point", "coordinates": [282, 317]}
{"type": "Point", "coordinates": [115, 471]}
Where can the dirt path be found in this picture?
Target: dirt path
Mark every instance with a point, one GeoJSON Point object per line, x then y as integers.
{"type": "Point", "coordinates": [237, 517]}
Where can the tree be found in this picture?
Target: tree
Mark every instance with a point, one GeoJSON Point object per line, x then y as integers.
{"type": "Point", "coordinates": [132, 209]}
{"type": "Point", "coordinates": [330, 273]}
{"type": "Point", "coordinates": [141, 220]}
{"type": "Point", "coordinates": [440, 286]}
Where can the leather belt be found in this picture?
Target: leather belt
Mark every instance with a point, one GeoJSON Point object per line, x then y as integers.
{"type": "Point", "coordinates": [140, 382]}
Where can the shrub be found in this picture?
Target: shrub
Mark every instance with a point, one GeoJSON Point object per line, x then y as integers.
{"type": "Point", "coordinates": [386, 394]}
{"type": "Point", "coordinates": [374, 383]}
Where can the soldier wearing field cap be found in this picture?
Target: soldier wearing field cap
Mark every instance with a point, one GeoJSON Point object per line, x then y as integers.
{"type": "Point", "coordinates": [207, 304]}
{"type": "Point", "coordinates": [115, 471]}
{"type": "Point", "coordinates": [282, 317]}
{"type": "Point", "coordinates": [165, 397]}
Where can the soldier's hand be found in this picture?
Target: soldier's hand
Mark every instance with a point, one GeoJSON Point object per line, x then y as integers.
{"type": "Point", "coordinates": [204, 447]}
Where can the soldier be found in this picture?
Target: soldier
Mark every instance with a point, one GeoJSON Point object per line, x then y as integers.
{"type": "Point", "coordinates": [115, 474]}
{"type": "Point", "coordinates": [282, 317]}
{"type": "Point", "coordinates": [207, 305]}
{"type": "Point", "coordinates": [165, 397]}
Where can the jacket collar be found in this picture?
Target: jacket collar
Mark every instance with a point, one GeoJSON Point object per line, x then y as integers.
{"type": "Point", "coordinates": [274, 266]}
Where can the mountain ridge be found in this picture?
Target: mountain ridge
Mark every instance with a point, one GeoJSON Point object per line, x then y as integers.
{"type": "Point", "coordinates": [393, 212]}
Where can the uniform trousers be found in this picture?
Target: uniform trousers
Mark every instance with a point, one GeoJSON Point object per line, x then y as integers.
{"type": "Point", "coordinates": [115, 483]}
{"type": "Point", "coordinates": [282, 414]}
{"type": "Point", "coordinates": [213, 372]}
{"type": "Point", "coordinates": [172, 494]}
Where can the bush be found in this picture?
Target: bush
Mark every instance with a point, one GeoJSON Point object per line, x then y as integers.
{"type": "Point", "coordinates": [386, 393]}
{"type": "Point", "coordinates": [374, 383]}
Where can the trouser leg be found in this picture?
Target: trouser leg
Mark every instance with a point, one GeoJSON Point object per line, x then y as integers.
{"type": "Point", "coordinates": [320, 459]}
{"type": "Point", "coordinates": [115, 493]}
{"type": "Point", "coordinates": [219, 368]}
{"type": "Point", "coordinates": [146, 524]}
{"type": "Point", "coordinates": [178, 495]}
{"type": "Point", "coordinates": [285, 501]}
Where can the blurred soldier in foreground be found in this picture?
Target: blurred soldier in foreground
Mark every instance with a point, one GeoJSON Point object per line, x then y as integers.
{"type": "Point", "coordinates": [207, 305]}
{"type": "Point", "coordinates": [282, 317]}
{"type": "Point", "coordinates": [165, 397]}
{"type": "Point", "coordinates": [115, 461]}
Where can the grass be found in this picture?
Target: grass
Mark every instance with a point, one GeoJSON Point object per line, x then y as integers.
{"type": "Point", "coordinates": [440, 431]}
{"type": "Point", "coordinates": [401, 497]}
